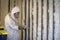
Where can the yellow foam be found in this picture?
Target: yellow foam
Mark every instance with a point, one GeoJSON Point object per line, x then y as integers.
{"type": "Point", "coordinates": [1, 26]}
{"type": "Point", "coordinates": [3, 32]}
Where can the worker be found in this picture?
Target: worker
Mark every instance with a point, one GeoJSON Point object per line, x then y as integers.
{"type": "Point", "coordinates": [11, 24]}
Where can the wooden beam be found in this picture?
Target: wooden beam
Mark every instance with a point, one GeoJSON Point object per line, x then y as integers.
{"type": "Point", "coordinates": [45, 20]}
{"type": "Point", "coordinates": [31, 20]}
{"type": "Point", "coordinates": [34, 19]}
{"type": "Point", "coordinates": [11, 4]}
{"type": "Point", "coordinates": [27, 19]}
{"type": "Point", "coordinates": [42, 19]}
{"type": "Point", "coordinates": [23, 17]}
{"type": "Point", "coordinates": [39, 18]}
{"type": "Point", "coordinates": [50, 37]}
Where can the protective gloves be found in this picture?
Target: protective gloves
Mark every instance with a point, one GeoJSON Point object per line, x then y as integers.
{"type": "Point", "coordinates": [21, 28]}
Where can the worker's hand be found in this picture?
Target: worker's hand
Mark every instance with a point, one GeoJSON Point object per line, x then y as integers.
{"type": "Point", "coordinates": [21, 28]}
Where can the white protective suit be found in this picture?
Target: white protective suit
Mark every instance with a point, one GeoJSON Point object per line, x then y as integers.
{"type": "Point", "coordinates": [11, 25]}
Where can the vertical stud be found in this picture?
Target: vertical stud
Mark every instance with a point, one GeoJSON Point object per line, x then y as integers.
{"type": "Point", "coordinates": [45, 27]}
{"type": "Point", "coordinates": [39, 18]}
{"type": "Point", "coordinates": [50, 20]}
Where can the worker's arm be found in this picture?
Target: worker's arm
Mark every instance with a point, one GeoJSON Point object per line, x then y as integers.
{"type": "Point", "coordinates": [13, 26]}
{"type": "Point", "coordinates": [16, 27]}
